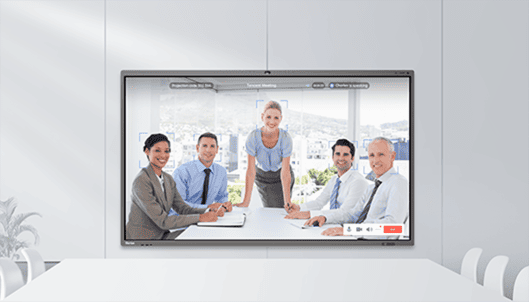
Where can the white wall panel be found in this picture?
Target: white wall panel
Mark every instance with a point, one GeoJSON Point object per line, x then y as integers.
{"type": "Point", "coordinates": [174, 35]}
{"type": "Point", "coordinates": [52, 121]}
{"type": "Point", "coordinates": [486, 132]}
{"type": "Point", "coordinates": [374, 35]}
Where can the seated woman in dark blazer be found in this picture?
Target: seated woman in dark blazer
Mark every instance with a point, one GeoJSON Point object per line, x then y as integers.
{"type": "Point", "coordinates": [154, 194]}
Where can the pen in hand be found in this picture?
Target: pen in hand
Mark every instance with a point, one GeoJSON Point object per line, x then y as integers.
{"type": "Point", "coordinates": [220, 212]}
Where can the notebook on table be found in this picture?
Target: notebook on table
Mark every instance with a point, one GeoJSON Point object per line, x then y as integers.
{"type": "Point", "coordinates": [230, 219]}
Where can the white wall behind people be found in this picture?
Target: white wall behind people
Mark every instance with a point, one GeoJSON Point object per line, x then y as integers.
{"type": "Point", "coordinates": [60, 108]}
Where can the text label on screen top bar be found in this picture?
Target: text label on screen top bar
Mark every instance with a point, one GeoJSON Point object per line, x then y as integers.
{"type": "Point", "coordinates": [338, 85]}
{"type": "Point", "coordinates": [191, 85]}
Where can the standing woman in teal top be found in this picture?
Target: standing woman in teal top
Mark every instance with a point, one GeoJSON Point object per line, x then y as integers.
{"type": "Point", "coordinates": [271, 147]}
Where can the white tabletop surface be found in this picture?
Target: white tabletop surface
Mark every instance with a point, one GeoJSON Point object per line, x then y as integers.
{"type": "Point", "coordinates": [251, 280]}
{"type": "Point", "coordinates": [261, 223]}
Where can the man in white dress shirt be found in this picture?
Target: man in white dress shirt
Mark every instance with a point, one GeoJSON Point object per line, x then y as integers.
{"type": "Point", "coordinates": [385, 201]}
{"type": "Point", "coordinates": [343, 191]}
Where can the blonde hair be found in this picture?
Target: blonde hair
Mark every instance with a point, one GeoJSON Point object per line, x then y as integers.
{"type": "Point", "coordinates": [273, 105]}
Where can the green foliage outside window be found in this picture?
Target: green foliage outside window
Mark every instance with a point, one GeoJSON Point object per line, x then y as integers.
{"type": "Point", "coordinates": [303, 180]}
{"type": "Point", "coordinates": [235, 192]}
{"type": "Point", "coordinates": [321, 178]}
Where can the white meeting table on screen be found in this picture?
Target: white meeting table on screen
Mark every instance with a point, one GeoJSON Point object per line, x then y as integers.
{"type": "Point", "coordinates": [263, 224]}
{"type": "Point", "coordinates": [252, 280]}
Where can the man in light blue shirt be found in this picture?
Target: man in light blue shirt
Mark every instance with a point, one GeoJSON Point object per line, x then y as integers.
{"type": "Point", "coordinates": [386, 201]}
{"type": "Point", "coordinates": [203, 183]}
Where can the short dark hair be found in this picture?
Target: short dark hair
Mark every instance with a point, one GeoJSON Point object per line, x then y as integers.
{"type": "Point", "coordinates": [210, 135]}
{"type": "Point", "coordinates": [154, 139]}
{"type": "Point", "coordinates": [344, 142]}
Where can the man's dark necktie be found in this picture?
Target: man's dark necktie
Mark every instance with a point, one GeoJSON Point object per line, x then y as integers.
{"type": "Point", "coordinates": [363, 216]}
{"type": "Point", "coordinates": [205, 188]}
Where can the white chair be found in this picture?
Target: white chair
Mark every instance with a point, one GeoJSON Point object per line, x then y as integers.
{"type": "Point", "coordinates": [469, 265]}
{"type": "Point", "coordinates": [521, 286]}
{"type": "Point", "coordinates": [494, 272]}
{"type": "Point", "coordinates": [10, 278]}
{"type": "Point", "coordinates": [36, 265]}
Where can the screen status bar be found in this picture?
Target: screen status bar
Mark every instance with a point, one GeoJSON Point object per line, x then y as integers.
{"type": "Point", "coordinates": [313, 85]}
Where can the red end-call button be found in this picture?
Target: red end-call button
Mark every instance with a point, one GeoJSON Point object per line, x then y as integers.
{"type": "Point", "coordinates": [392, 229]}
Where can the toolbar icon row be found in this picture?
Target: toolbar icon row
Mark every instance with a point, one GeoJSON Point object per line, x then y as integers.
{"type": "Point", "coordinates": [372, 229]}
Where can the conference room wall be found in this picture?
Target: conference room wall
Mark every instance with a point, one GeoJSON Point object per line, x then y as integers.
{"type": "Point", "coordinates": [486, 133]}
{"type": "Point", "coordinates": [79, 84]}
{"type": "Point", "coordinates": [52, 122]}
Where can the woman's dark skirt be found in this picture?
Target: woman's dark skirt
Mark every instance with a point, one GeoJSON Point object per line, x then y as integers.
{"type": "Point", "coordinates": [270, 188]}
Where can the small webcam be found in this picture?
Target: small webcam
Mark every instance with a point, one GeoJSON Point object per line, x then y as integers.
{"type": "Point", "coordinates": [268, 72]}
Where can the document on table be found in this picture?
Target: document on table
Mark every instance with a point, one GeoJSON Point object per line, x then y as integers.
{"type": "Point", "coordinates": [300, 223]}
{"type": "Point", "coordinates": [230, 219]}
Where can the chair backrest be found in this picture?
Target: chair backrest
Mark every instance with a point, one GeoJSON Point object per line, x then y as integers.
{"type": "Point", "coordinates": [36, 265]}
{"type": "Point", "coordinates": [469, 265]}
{"type": "Point", "coordinates": [494, 272]}
{"type": "Point", "coordinates": [10, 278]}
{"type": "Point", "coordinates": [521, 286]}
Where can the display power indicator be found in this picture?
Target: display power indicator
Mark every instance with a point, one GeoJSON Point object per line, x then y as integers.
{"type": "Point", "coordinates": [393, 229]}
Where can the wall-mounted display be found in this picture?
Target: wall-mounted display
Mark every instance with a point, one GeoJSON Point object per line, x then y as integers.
{"type": "Point", "coordinates": [267, 157]}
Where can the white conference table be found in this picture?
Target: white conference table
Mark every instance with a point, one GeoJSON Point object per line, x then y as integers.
{"type": "Point", "coordinates": [261, 223]}
{"type": "Point", "coordinates": [252, 280]}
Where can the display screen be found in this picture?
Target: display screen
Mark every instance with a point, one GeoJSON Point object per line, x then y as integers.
{"type": "Point", "coordinates": [293, 157]}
